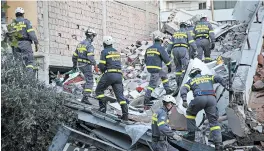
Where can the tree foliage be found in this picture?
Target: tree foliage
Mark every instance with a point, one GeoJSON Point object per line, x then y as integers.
{"type": "Point", "coordinates": [31, 111]}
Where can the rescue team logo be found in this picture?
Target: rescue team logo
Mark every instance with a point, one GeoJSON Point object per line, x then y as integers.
{"type": "Point", "coordinates": [201, 28]}
{"type": "Point", "coordinates": [180, 35]}
{"type": "Point", "coordinates": [152, 51]}
{"type": "Point", "coordinates": [114, 55]}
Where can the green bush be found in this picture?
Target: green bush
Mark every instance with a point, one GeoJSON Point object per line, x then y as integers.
{"type": "Point", "coordinates": [31, 111]}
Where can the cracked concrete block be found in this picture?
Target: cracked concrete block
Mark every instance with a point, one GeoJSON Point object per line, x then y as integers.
{"type": "Point", "coordinates": [132, 86]}
{"type": "Point", "coordinates": [234, 122]}
{"type": "Point", "coordinates": [134, 94]}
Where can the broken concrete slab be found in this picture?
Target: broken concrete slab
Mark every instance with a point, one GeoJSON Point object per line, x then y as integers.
{"type": "Point", "coordinates": [234, 122]}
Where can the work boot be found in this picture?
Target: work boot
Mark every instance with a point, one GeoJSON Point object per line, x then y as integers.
{"type": "Point", "coordinates": [85, 100]}
{"type": "Point", "coordinates": [102, 105]}
{"type": "Point", "coordinates": [124, 117]}
{"type": "Point", "coordinates": [169, 91]}
{"type": "Point", "coordinates": [124, 109]}
{"type": "Point", "coordinates": [219, 147]}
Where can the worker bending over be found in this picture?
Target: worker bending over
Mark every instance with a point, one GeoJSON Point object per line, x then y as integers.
{"type": "Point", "coordinates": [204, 98]}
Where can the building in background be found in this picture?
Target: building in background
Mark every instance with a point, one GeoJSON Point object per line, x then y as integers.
{"type": "Point", "coordinates": [60, 26]}
{"type": "Point", "coordinates": [170, 5]}
{"type": "Point", "coordinates": [221, 11]}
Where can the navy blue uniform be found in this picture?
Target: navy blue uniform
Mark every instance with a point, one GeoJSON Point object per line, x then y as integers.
{"type": "Point", "coordinates": [110, 65]}
{"type": "Point", "coordinates": [24, 49]}
{"type": "Point", "coordinates": [84, 56]}
{"type": "Point", "coordinates": [204, 98]}
{"type": "Point", "coordinates": [161, 130]}
{"type": "Point", "coordinates": [203, 30]}
{"type": "Point", "coordinates": [180, 44]}
{"type": "Point", "coordinates": [191, 51]}
{"type": "Point", "coordinates": [154, 57]}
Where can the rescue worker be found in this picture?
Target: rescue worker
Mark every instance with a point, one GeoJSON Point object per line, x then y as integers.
{"type": "Point", "coordinates": [24, 49]}
{"type": "Point", "coordinates": [154, 56]}
{"type": "Point", "coordinates": [161, 130]}
{"type": "Point", "coordinates": [110, 65]}
{"type": "Point", "coordinates": [181, 42]}
{"type": "Point", "coordinates": [204, 98]}
{"type": "Point", "coordinates": [205, 38]}
{"type": "Point", "coordinates": [83, 58]}
{"type": "Point", "coordinates": [190, 28]}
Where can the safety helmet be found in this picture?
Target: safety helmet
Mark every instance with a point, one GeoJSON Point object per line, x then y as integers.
{"type": "Point", "coordinates": [189, 23]}
{"type": "Point", "coordinates": [182, 22]}
{"type": "Point", "coordinates": [169, 99]}
{"type": "Point", "coordinates": [108, 40]}
{"type": "Point", "coordinates": [202, 15]}
{"type": "Point", "coordinates": [158, 37]}
{"type": "Point", "coordinates": [19, 10]}
{"type": "Point", "coordinates": [194, 72]}
{"type": "Point", "coordinates": [90, 32]}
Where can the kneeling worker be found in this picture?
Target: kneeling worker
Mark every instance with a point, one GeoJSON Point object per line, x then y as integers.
{"type": "Point", "coordinates": [160, 127]}
{"type": "Point", "coordinates": [204, 98]}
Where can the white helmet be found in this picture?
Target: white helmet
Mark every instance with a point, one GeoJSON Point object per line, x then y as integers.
{"type": "Point", "coordinates": [194, 71]}
{"type": "Point", "coordinates": [20, 10]}
{"type": "Point", "coordinates": [202, 15]}
{"type": "Point", "coordinates": [158, 37]}
{"type": "Point", "coordinates": [108, 40]}
{"type": "Point", "coordinates": [189, 23]}
{"type": "Point", "coordinates": [90, 32]}
{"type": "Point", "coordinates": [169, 99]}
{"type": "Point", "coordinates": [182, 22]}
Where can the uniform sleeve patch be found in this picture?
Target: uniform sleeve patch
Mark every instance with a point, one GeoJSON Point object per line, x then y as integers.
{"type": "Point", "coordinates": [163, 118]}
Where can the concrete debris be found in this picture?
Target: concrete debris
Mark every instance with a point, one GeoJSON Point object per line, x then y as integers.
{"type": "Point", "coordinates": [232, 106]}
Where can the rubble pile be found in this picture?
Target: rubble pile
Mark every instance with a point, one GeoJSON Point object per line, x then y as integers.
{"type": "Point", "coordinates": [233, 39]}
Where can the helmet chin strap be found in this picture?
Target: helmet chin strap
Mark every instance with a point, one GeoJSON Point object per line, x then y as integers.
{"type": "Point", "coordinates": [169, 108]}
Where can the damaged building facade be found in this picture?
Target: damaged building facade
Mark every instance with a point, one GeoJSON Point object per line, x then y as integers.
{"type": "Point", "coordinates": [240, 46]}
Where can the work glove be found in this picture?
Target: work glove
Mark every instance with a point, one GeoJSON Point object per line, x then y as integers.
{"type": "Point", "coordinates": [177, 137]}
{"type": "Point", "coordinates": [169, 69]}
{"type": "Point", "coordinates": [185, 104]}
{"type": "Point", "coordinates": [195, 54]}
{"type": "Point", "coordinates": [36, 47]}
{"type": "Point", "coordinates": [212, 46]}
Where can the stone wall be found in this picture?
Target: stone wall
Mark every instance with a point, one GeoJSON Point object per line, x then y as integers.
{"type": "Point", "coordinates": [68, 20]}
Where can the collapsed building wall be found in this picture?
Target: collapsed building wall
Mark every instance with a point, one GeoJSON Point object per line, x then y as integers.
{"type": "Point", "coordinates": [64, 22]}
{"type": "Point", "coordinates": [68, 19]}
